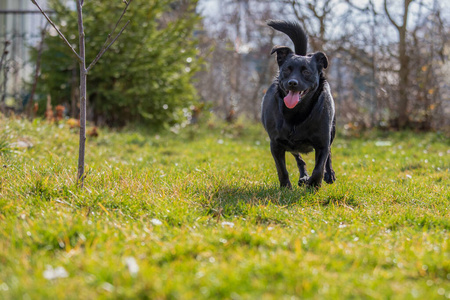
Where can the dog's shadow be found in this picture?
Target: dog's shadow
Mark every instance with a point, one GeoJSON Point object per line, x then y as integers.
{"type": "Point", "coordinates": [226, 200]}
{"type": "Point", "coordinates": [264, 202]}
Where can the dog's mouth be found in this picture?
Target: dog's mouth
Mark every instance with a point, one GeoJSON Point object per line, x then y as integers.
{"type": "Point", "coordinates": [294, 97]}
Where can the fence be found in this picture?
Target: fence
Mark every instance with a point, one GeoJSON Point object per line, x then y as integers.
{"type": "Point", "coordinates": [20, 27]}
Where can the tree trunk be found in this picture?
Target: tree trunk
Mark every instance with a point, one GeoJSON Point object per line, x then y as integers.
{"type": "Point", "coordinates": [402, 103]}
{"type": "Point", "coordinates": [83, 79]}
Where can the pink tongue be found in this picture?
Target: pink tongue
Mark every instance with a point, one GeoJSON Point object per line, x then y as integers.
{"type": "Point", "coordinates": [292, 99]}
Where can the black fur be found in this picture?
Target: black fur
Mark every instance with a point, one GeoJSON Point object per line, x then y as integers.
{"type": "Point", "coordinates": [311, 123]}
{"type": "Point", "coordinates": [294, 31]}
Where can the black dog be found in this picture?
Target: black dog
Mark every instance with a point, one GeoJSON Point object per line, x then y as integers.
{"type": "Point", "coordinates": [298, 109]}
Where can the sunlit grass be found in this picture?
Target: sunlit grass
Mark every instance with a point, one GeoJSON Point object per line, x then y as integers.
{"type": "Point", "coordinates": [202, 216]}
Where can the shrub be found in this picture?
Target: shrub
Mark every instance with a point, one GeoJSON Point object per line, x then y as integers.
{"type": "Point", "coordinates": [145, 77]}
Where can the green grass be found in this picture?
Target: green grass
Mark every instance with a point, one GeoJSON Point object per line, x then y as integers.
{"type": "Point", "coordinates": [201, 214]}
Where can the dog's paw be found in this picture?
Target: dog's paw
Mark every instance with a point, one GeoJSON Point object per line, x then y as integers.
{"type": "Point", "coordinates": [302, 181]}
{"type": "Point", "coordinates": [314, 182]}
{"type": "Point", "coordinates": [286, 185]}
{"type": "Point", "coordinates": [313, 185]}
{"type": "Point", "coordinates": [329, 177]}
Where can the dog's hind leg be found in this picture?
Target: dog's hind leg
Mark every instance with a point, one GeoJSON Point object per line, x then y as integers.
{"type": "Point", "coordinates": [329, 176]}
{"type": "Point", "coordinates": [279, 156]}
{"type": "Point", "coordinates": [301, 168]}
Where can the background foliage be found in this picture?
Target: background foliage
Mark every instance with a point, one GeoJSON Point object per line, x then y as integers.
{"type": "Point", "coordinates": [388, 59]}
{"type": "Point", "coordinates": [383, 73]}
{"type": "Point", "coordinates": [144, 77]}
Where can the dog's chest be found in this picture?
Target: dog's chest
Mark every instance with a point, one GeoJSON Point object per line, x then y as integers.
{"type": "Point", "coordinates": [295, 139]}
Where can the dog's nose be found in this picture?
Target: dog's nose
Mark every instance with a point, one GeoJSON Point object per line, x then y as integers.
{"type": "Point", "coordinates": [292, 83]}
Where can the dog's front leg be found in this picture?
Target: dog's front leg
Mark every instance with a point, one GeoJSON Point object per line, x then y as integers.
{"type": "Point", "coordinates": [303, 179]}
{"type": "Point", "coordinates": [279, 155]}
{"type": "Point", "coordinates": [317, 175]}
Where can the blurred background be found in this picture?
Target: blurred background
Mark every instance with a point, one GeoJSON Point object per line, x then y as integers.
{"type": "Point", "coordinates": [179, 62]}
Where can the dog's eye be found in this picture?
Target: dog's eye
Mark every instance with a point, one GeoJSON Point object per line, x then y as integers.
{"type": "Point", "coordinates": [287, 70]}
{"type": "Point", "coordinates": [306, 72]}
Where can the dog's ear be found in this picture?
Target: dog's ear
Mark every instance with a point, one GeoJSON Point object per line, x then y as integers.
{"type": "Point", "coordinates": [283, 53]}
{"type": "Point", "coordinates": [321, 60]}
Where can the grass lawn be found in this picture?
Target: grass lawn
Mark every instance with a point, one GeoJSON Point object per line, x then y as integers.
{"type": "Point", "coordinates": [199, 215]}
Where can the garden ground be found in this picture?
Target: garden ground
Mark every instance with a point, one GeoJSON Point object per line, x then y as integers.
{"type": "Point", "coordinates": [199, 215]}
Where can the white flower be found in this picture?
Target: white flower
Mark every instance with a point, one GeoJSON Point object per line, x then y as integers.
{"type": "Point", "coordinates": [58, 272]}
{"type": "Point", "coordinates": [156, 222]}
{"type": "Point", "coordinates": [108, 287]}
{"type": "Point", "coordinates": [383, 143]}
{"type": "Point", "coordinates": [225, 223]}
{"type": "Point", "coordinates": [132, 265]}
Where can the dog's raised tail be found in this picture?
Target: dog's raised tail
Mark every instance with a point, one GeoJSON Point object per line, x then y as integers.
{"type": "Point", "coordinates": [294, 31]}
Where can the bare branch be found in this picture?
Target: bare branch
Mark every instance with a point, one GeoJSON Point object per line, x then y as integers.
{"type": "Point", "coordinates": [57, 30]}
{"type": "Point", "coordinates": [353, 5]}
{"type": "Point", "coordinates": [389, 15]}
{"type": "Point", "coordinates": [120, 18]}
{"type": "Point", "coordinates": [405, 14]}
{"type": "Point", "coordinates": [299, 17]}
{"type": "Point", "coordinates": [108, 39]}
{"type": "Point", "coordinates": [104, 49]}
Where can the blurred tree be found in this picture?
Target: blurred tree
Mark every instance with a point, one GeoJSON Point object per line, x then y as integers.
{"type": "Point", "coordinates": [403, 59]}
{"type": "Point", "coordinates": [408, 65]}
{"type": "Point", "coordinates": [427, 80]}
{"type": "Point", "coordinates": [386, 65]}
{"type": "Point", "coordinates": [239, 65]}
{"type": "Point", "coordinates": [319, 19]}
{"type": "Point", "coordinates": [145, 77]}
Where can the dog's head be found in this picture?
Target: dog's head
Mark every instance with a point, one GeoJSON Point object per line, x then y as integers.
{"type": "Point", "coordinates": [299, 75]}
